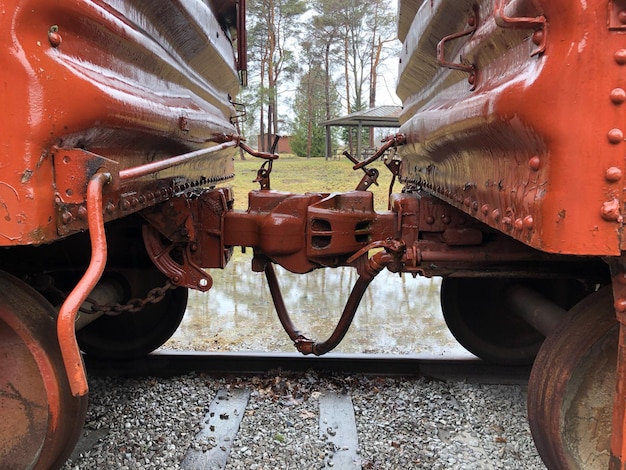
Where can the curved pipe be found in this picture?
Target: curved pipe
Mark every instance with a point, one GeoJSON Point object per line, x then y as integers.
{"type": "Point", "coordinates": [67, 314]}
{"type": "Point", "coordinates": [307, 346]}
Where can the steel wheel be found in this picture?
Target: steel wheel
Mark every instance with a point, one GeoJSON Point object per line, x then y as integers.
{"type": "Point", "coordinates": [479, 316]}
{"type": "Point", "coordinates": [41, 420]}
{"type": "Point", "coordinates": [135, 334]}
{"type": "Point", "coordinates": [570, 392]}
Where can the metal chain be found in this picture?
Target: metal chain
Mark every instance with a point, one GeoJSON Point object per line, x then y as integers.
{"type": "Point", "coordinates": [133, 305]}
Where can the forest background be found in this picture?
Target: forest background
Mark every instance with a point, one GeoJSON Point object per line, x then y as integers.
{"type": "Point", "coordinates": [311, 61]}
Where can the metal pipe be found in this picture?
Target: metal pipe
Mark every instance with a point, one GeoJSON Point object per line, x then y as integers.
{"type": "Point", "coordinates": [308, 346]}
{"type": "Point", "coordinates": [537, 310]}
{"type": "Point", "coordinates": [67, 314]}
{"type": "Point", "coordinates": [149, 168]}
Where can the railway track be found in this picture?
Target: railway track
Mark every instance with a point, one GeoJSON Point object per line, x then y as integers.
{"type": "Point", "coordinates": [289, 411]}
{"type": "Point", "coordinates": [166, 363]}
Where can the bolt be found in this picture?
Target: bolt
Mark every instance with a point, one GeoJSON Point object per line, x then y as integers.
{"type": "Point", "coordinates": [610, 211]}
{"type": "Point", "coordinates": [125, 205]}
{"type": "Point", "coordinates": [534, 163]}
{"type": "Point", "coordinates": [620, 305]}
{"type": "Point", "coordinates": [538, 37]}
{"type": "Point", "coordinates": [110, 208]}
{"type": "Point", "coordinates": [529, 222]}
{"type": "Point", "coordinates": [613, 174]}
{"type": "Point", "coordinates": [176, 279]}
{"type": "Point", "coordinates": [203, 282]}
{"type": "Point", "coordinates": [519, 223]}
{"type": "Point", "coordinates": [618, 95]}
{"type": "Point", "coordinates": [82, 213]}
{"type": "Point", "coordinates": [620, 56]}
{"type": "Point", "coordinates": [66, 217]}
{"type": "Point", "coordinates": [615, 136]}
{"type": "Point", "coordinates": [54, 37]}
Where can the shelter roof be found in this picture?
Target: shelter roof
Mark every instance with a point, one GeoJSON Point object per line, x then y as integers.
{"type": "Point", "coordinates": [379, 116]}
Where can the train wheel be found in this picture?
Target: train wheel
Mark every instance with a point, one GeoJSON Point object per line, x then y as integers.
{"type": "Point", "coordinates": [135, 334]}
{"type": "Point", "coordinates": [479, 315]}
{"type": "Point", "coordinates": [41, 420]}
{"type": "Point", "coordinates": [570, 392]}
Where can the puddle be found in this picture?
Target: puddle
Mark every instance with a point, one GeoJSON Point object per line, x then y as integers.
{"type": "Point", "coordinates": [398, 314]}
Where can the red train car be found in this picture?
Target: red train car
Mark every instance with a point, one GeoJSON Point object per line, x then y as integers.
{"type": "Point", "coordinates": [119, 126]}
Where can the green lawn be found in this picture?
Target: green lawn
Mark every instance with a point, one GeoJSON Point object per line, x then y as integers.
{"type": "Point", "coordinates": [301, 175]}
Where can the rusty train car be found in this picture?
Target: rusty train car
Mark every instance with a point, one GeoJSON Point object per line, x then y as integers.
{"type": "Point", "coordinates": [119, 133]}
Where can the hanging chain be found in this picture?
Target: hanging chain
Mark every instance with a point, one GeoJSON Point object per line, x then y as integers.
{"type": "Point", "coordinates": [154, 296]}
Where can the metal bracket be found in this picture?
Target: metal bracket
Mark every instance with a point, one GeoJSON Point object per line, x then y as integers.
{"type": "Point", "coordinates": [617, 15]}
{"type": "Point", "coordinates": [539, 24]}
{"type": "Point", "coordinates": [472, 21]}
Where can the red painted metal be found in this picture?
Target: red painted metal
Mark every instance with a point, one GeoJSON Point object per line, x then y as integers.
{"type": "Point", "coordinates": [67, 313]}
{"type": "Point", "coordinates": [522, 143]}
{"type": "Point", "coordinates": [133, 82]}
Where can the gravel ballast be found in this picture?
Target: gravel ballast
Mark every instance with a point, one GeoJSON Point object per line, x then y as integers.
{"type": "Point", "coordinates": [151, 423]}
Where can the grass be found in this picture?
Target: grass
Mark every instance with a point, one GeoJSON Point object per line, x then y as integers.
{"type": "Point", "coordinates": [302, 175]}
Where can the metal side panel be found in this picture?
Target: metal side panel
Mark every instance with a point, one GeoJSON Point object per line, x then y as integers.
{"type": "Point", "coordinates": [534, 146]}
{"type": "Point", "coordinates": [133, 81]}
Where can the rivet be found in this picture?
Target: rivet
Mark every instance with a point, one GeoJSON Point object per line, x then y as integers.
{"type": "Point", "coordinates": [430, 220]}
{"type": "Point", "coordinates": [621, 16]}
{"type": "Point", "coordinates": [467, 202]}
{"type": "Point", "coordinates": [82, 213]}
{"type": "Point", "coordinates": [618, 95]}
{"type": "Point", "coordinates": [471, 21]}
{"type": "Point", "coordinates": [620, 56]}
{"type": "Point", "coordinates": [529, 222]}
{"type": "Point", "coordinates": [54, 37]}
{"type": "Point", "coordinates": [620, 305]}
{"type": "Point", "coordinates": [110, 208]}
{"type": "Point", "coordinates": [471, 79]}
{"type": "Point", "coordinates": [615, 136]}
{"type": "Point", "coordinates": [485, 209]}
{"type": "Point", "coordinates": [66, 217]}
{"type": "Point", "coordinates": [125, 205]}
{"type": "Point", "coordinates": [507, 221]}
{"type": "Point", "coordinates": [445, 219]}
{"type": "Point", "coordinates": [621, 278]}
{"type": "Point", "coordinates": [538, 37]}
{"type": "Point", "coordinates": [475, 205]}
{"type": "Point", "coordinates": [534, 163]}
{"type": "Point", "coordinates": [142, 199]}
{"type": "Point", "coordinates": [175, 279]}
{"type": "Point", "coordinates": [519, 224]}
{"type": "Point", "coordinates": [150, 196]}
{"type": "Point", "coordinates": [495, 214]}
{"type": "Point", "coordinates": [613, 174]}
{"type": "Point", "coordinates": [69, 191]}
{"type": "Point", "coordinates": [134, 201]}
{"type": "Point", "coordinates": [610, 211]}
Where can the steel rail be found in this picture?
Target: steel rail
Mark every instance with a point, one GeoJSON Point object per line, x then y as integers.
{"type": "Point", "coordinates": [169, 363]}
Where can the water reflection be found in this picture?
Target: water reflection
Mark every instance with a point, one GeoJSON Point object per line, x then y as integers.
{"type": "Point", "coordinates": [397, 315]}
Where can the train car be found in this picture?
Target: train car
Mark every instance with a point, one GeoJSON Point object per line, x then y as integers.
{"type": "Point", "coordinates": [514, 116]}
{"type": "Point", "coordinates": [110, 108]}
{"type": "Point", "coordinates": [119, 128]}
